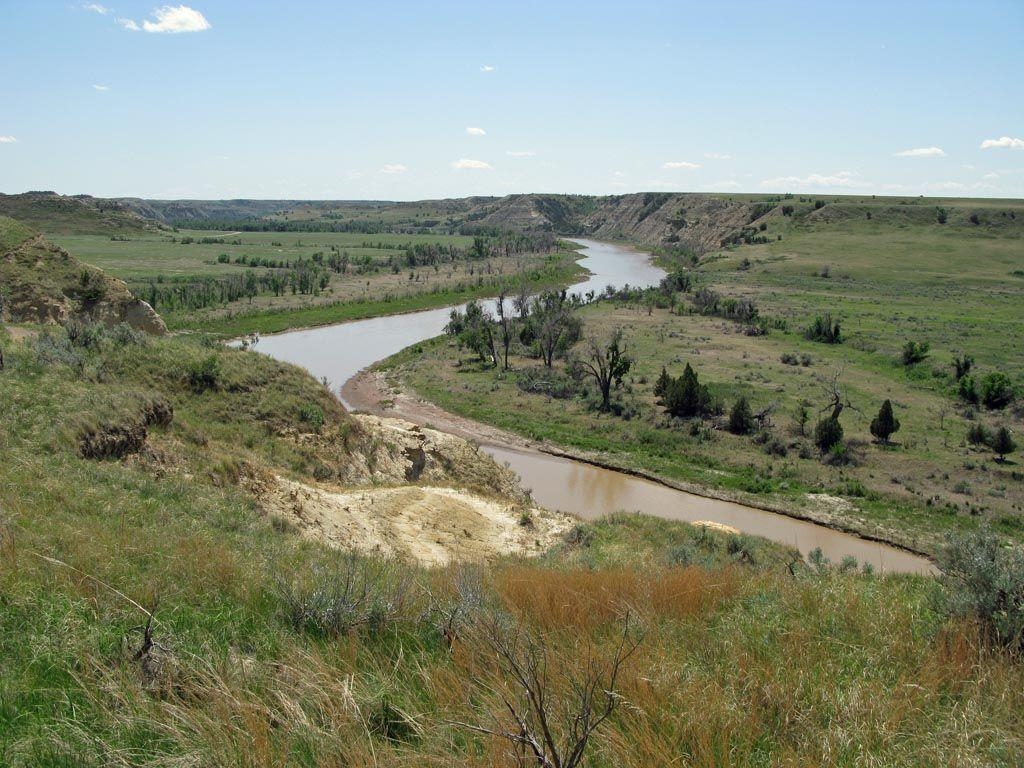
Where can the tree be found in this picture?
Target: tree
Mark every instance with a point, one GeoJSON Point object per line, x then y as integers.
{"type": "Point", "coordinates": [685, 397]}
{"type": "Point", "coordinates": [1002, 443]}
{"type": "Point", "coordinates": [741, 419]}
{"type": "Point", "coordinates": [837, 400]}
{"type": "Point", "coordinates": [962, 366]}
{"type": "Point", "coordinates": [885, 423]}
{"type": "Point", "coordinates": [473, 329]}
{"type": "Point", "coordinates": [662, 384]}
{"type": "Point", "coordinates": [553, 327]}
{"type": "Point", "coordinates": [915, 352]}
{"type": "Point", "coordinates": [606, 364]}
{"type": "Point", "coordinates": [506, 323]}
{"type": "Point", "coordinates": [996, 390]}
{"type": "Point", "coordinates": [828, 434]}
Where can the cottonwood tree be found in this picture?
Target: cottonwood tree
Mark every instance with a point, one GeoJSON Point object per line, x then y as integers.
{"type": "Point", "coordinates": [606, 362]}
{"type": "Point", "coordinates": [474, 329]}
{"type": "Point", "coordinates": [548, 727]}
{"type": "Point", "coordinates": [505, 323]}
{"type": "Point", "coordinates": [552, 327]}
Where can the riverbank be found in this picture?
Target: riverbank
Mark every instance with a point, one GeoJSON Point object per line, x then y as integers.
{"type": "Point", "coordinates": [562, 269]}
{"type": "Point", "coordinates": [381, 393]}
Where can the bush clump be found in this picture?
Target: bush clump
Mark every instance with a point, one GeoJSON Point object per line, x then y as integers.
{"type": "Point", "coordinates": [824, 330]}
{"type": "Point", "coordinates": [204, 374]}
{"type": "Point", "coordinates": [984, 581]}
{"type": "Point", "coordinates": [915, 352]}
{"type": "Point", "coordinates": [828, 434]}
{"type": "Point", "coordinates": [996, 390]}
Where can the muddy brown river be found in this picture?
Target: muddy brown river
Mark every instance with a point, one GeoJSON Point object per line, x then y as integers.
{"type": "Point", "coordinates": [339, 352]}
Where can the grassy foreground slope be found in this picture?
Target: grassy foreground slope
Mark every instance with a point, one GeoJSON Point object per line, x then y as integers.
{"type": "Point", "coordinates": [257, 655]}
{"type": "Point", "coordinates": [890, 274]}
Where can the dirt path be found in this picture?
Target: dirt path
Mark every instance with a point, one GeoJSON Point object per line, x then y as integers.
{"type": "Point", "coordinates": [369, 391]}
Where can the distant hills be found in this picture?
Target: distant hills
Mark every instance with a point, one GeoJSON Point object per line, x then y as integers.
{"type": "Point", "coordinates": [693, 221]}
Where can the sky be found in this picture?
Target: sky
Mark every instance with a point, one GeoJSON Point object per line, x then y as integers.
{"type": "Point", "coordinates": [413, 100]}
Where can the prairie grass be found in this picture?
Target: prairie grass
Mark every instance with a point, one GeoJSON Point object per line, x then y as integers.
{"type": "Point", "coordinates": [738, 664]}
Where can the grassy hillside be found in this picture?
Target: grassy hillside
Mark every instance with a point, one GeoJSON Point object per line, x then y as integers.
{"type": "Point", "coordinates": [41, 282]}
{"type": "Point", "coordinates": [257, 655]}
{"type": "Point", "coordinates": [888, 279]}
{"type": "Point", "coordinates": [54, 214]}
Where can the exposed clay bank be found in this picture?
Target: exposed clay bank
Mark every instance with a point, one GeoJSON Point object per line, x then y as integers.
{"type": "Point", "coordinates": [339, 352]}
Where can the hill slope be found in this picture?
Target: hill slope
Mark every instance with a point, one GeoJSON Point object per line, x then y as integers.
{"type": "Point", "coordinates": [55, 214]}
{"type": "Point", "coordinates": [43, 283]}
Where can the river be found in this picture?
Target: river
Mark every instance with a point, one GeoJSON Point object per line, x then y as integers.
{"type": "Point", "coordinates": [339, 352]}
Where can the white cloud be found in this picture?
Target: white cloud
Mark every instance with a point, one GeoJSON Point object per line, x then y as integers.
{"type": "Point", "coordinates": [618, 174]}
{"type": "Point", "coordinates": [96, 8]}
{"type": "Point", "coordinates": [841, 179]}
{"type": "Point", "coordinates": [727, 184]}
{"type": "Point", "coordinates": [170, 19]}
{"type": "Point", "coordinates": [944, 186]}
{"type": "Point", "coordinates": [520, 153]}
{"type": "Point", "coordinates": [921, 152]}
{"type": "Point", "coordinates": [990, 176]}
{"type": "Point", "coordinates": [393, 168]}
{"type": "Point", "coordinates": [717, 156]}
{"type": "Point", "coordinates": [474, 131]}
{"type": "Point", "coordinates": [7, 139]}
{"type": "Point", "coordinates": [1004, 142]}
{"type": "Point", "coordinates": [675, 164]}
{"type": "Point", "coordinates": [476, 165]}
{"type": "Point", "coordinates": [101, 87]}
{"type": "Point", "coordinates": [487, 68]}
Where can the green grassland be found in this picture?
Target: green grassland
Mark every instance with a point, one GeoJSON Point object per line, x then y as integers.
{"type": "Point", "coordinates": [896, 276]}
{"type": "Point", "coordinates": [250, 662]}
{"type": "Point", "coordinates": [377, 282]}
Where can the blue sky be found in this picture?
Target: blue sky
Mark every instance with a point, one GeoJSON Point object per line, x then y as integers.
{"type": "Point", "coordinates": [404, 100]}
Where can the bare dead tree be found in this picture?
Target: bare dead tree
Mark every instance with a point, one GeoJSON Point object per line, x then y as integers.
{"type": "Point", "coordinates": [521, 301]}
{"type": "Point", "coordinates": [836, 398]}
{"type": "Point", "coordinates": [764, 416]}
{"type": "Point", "coordinates": [544, 729]}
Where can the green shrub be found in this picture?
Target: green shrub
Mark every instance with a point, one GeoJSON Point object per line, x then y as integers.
{"type": "Point", "coordinates": [313, 415]}
{"type": "Point", "coordinates": [962, 365]}
{"type": "Point", "coordinates": [983, 580]}
{"type": "Point", "coordinates": [996, 390]}
{"type": "Point", "coordinates": [915, 352]}
{"type": "Point", "coordinates": [978, 434]}
{"type": "Point", "coordinates": [967, 389]}
{"type": "Point", "coordinates": [824, 330]}
{"type": "Point", "coordinates": [741, 419]}
{"type": "Point", "coordinates": [1002, 443]}
{"type": "Point", "coordinates": [204, 374]}
{"type": "Point", "coordinates": [828, 434]}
